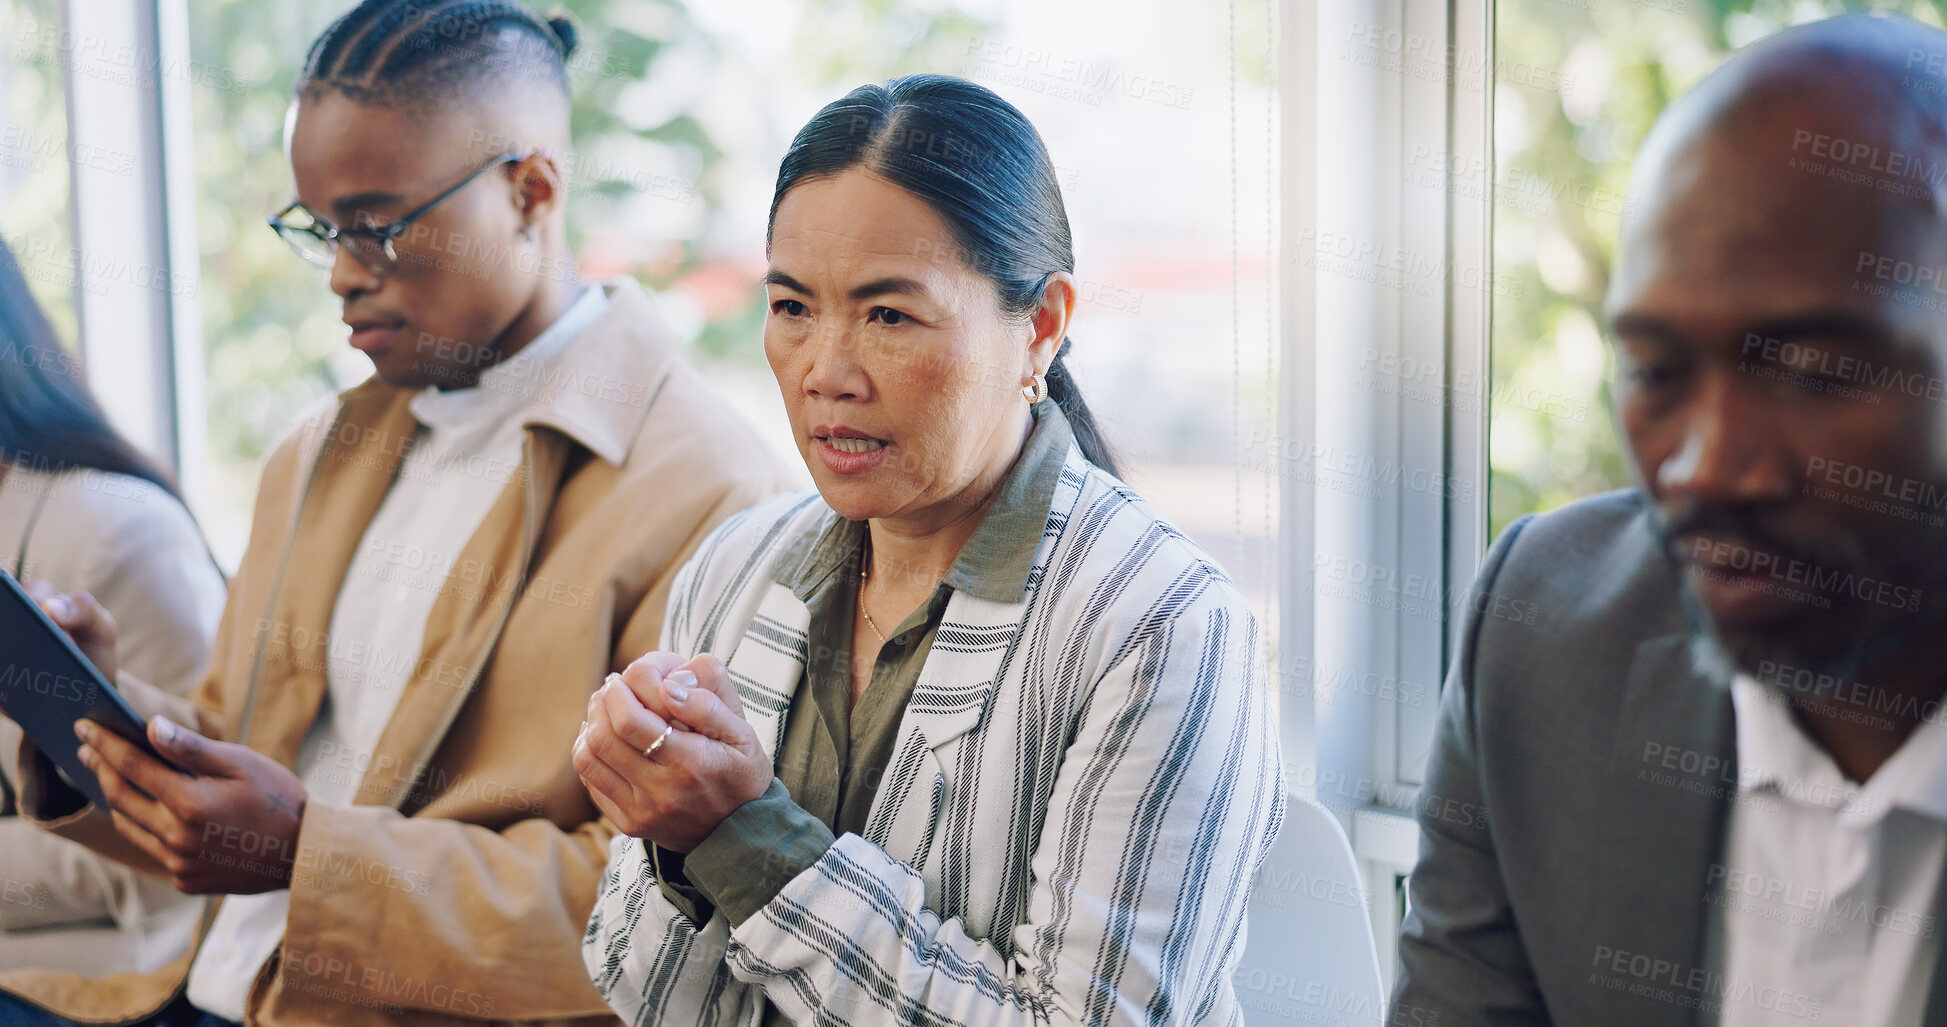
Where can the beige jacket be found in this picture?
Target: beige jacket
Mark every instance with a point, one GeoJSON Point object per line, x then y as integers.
{"type": "Point", "coordinates": [458, 885]}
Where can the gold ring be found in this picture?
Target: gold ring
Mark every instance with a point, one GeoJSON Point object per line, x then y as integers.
{"type": "Point", "coordinates": [650, 753]}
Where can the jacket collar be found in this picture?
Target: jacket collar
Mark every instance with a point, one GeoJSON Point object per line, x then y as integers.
{"type": "Point", "coordinates": [345, 481]}
{"type": "Point", "coordinates": [1665, 820]}
{"type": "Point", "coordinates": [969, 651]}
{"type": "Point", "coordinates": [598, 390]}
{"type": "Point", "coordinates": [994, 563]}
{"type": "Point", "coordinates": [595, 397]}
{"type": "Point", "coordinates": [1775, 755]}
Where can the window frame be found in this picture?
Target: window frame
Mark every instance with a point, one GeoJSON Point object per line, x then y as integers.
{"type": "Point", "coordinates": [1359, 121]}
{"type": "Point", "coordinates": [138, 319]}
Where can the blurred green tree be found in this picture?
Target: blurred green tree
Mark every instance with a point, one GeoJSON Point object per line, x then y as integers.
{"type": "Point", "coordinates": [1563, 147]}
{"type": "Point", "coordinates": [33, 171]}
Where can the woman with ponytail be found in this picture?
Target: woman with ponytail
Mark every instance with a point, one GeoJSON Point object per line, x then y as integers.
{"type": "Point", "coordinates": [972, 735]}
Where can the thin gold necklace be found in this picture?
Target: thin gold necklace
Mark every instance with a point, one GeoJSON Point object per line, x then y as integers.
{"type": "Point", "coordinates": [865, 565]}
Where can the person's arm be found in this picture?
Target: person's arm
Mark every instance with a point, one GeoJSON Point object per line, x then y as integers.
{"type": "Point", "coordinates": [1165, 804]}
{"type": "Point", "coordinates": [51, 882]}
{"type": "Point", "coordinates": [150, 564]}
{"type": "Point", "coordinates": [49, 802]}
{"type": "Point", "coordinates": [644, 952]}
{"type": "Point", "coordinates": [43, 796]}
{"type": "Point", "coordinates": [155, 574]}
{"type": "Point", "coordinates": [1462, 961]}
{"type": "Point", "coordinates": [681, 974]}
{"type": "Point", "coordinates": [502, 912]}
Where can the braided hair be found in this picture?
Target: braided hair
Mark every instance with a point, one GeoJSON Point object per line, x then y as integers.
{"type": "Point", "coordinates": [398, 52]}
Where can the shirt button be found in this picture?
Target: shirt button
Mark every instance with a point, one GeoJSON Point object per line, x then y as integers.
{"type": "Point", "coordinates": [901, 638]}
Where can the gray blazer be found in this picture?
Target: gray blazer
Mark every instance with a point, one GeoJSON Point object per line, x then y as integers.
{"type": "Point", "coordinates": [1607, 766]}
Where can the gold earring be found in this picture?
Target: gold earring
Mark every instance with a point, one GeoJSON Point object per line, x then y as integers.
{"type": "Point", "coordinates": [1036, 392]}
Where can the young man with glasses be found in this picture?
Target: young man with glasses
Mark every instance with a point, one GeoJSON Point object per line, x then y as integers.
{"type": "Point", "coordinates": [374, 780]}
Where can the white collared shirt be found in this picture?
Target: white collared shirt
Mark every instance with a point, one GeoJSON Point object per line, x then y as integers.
{"type": "Point", "coordinates": [1826, 894]}
{"type": "Point", "coordinates": [466, 452]}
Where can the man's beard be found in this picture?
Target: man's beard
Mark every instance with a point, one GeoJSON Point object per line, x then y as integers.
{"type": "Point", "coordinates": [1876, 631]}
{"type": "Point", "coordinates": [1717, 658]}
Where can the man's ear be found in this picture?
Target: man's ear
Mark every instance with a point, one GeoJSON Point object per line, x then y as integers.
{"type": "Point", "coordinates": [1050, 320]}
{"type": "Point", "coordinates": [539, 188]}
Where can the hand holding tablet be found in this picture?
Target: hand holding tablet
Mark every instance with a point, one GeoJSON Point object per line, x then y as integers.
{"type": "Point", "coordinates": [225, 823]}
{"type": "Point", "coordinates": [48, 684]}
{"type": "Point", "coordinates": [92, 628]}
{"type": "Point", "coordinates": [218, 818]}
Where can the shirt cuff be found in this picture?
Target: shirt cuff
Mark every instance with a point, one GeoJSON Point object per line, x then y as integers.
{"type": "Point", "coordinates": [688, 899]}
{"type": "Point", "coordinates": [755, 852]}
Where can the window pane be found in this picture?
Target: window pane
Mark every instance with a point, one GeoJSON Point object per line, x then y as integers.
{"type": "Point", "coordinates": [272, 339]}
{"type": "Point", "coordinates": [34, 155]}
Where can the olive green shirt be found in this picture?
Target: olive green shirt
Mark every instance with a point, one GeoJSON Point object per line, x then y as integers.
{"type": "Point", "coordinates": [834, 753]}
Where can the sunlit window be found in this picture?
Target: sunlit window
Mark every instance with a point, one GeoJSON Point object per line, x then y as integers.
{"type": "Point", "coordinates": [34, 155]}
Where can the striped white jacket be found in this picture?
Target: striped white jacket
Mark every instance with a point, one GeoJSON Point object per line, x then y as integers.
{"type": "Point", "coordinates": [1083, 786]}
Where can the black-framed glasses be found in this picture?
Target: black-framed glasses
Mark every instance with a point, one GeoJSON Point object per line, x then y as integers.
{"type": "Point", "coordinates": [317, 240]}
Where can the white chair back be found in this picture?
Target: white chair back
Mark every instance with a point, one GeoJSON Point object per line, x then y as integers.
{"type": "Point", "coordinates": [1309, 956]}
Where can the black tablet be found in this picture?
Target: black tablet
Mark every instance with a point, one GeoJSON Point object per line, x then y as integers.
{"type": "Point", "coordinates": [46, 684]}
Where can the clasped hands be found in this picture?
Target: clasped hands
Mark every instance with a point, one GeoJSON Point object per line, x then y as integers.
{"type": "Point", "coordinates": [708, 763]}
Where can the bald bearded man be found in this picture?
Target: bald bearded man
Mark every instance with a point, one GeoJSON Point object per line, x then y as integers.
{"type": "Point", "coordinates": [444, 563]}
{"type": "Point", "coordinates": [1715, 766]}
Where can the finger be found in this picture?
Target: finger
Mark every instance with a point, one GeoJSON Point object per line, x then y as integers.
{"type": "Point", "coordinates": [613, 813]}
{"type": "Point", "coordinates": [54, 602]}
{"type": "Point", "coordinates": [610, 768]}
{"type": "Point", "coordinates": [668, 693]}
{"type": "Point", "coordinates": [145, 839]}
{"type": "Point", "coordinates": [127, 799]}
{"type": "Point", "coordinates": [84, 621]}
{"type": "Point", "coordinates": [91, 618]}
{"type": "Point", "coordinates": [191, 751]}
{"type": "Point", "coordinates": [77, 613]}
{"type": "Point", "coordinates": [622, 729]}
{"type": "Point", "coordinates": [645, 673]}
{"type": "Point", "coordinates": [707, 715]}
{"type": "Point", "coordinates": [130, 762]}
{"type": "Point", "coordinates": [692, 757]}
{"type": "Point", "coordinates": [713, 675]}
{"type": "Point", "coordinates": [649, 696]}
{"type": "Point", "coordinates": [634, 724]}
{"type": "Point", "coordinates": [602, 780]}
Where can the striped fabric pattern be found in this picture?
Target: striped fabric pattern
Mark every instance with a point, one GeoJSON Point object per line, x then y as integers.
{"type": "Point", "coordinates": [1084, 785]}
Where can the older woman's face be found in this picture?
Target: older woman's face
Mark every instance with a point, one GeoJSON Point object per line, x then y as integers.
{"type": "Point", "coordinates": [901, 373]}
